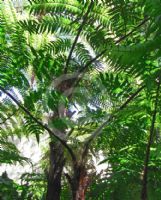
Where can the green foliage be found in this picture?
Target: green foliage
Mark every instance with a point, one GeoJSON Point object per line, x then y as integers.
{"type": "Point", "coordinates": [116, 45]}
{"type": "Point", "coordinates": [9, 154]}
{"type": "Point", "coordinates": [8, 189]}
{"type": "Point", "coordinates": [31, 187]}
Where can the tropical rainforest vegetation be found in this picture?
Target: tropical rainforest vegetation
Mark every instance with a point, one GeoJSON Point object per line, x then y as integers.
{"type": "Point", "coordinates": [87, 74]}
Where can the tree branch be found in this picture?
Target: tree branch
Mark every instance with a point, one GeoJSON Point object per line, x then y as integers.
{"type": "Point", "coordinates": [132, 31]}
{"type": "Point", "coordinates": [99, 129]}
{"type": "Point", "coordinates": [62, 141]}
{"type": "Point", "coordinates": [77, 36]}
{"type": "Point", "coordinates": [147, 156]}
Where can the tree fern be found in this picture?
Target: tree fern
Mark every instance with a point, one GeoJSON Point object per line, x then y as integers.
{"type": "Point", "coordinates": [118, 37]}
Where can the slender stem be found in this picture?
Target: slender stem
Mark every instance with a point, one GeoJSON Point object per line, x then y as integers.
{"type": "Point", "coordinates": [63, 142]}
{"type": "Point", "coordinates": [132, 31]}
{"type": "Point", "coordinates": [147, 156]}
{"type": "Point", "coordinates": [77, 36]}
{"type": "Point", "coordinates": [99, 129]}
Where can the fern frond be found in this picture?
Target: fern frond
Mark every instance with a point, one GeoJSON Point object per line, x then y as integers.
{"type": "Point", "coordinates": [9, 154]}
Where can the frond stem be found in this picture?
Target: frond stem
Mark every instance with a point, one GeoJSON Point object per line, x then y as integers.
{"type": "Point", "coordinates": [150, 141]}
{"type": "Point", "coordinates": [63, 142]}
{"type": "Point", "coordinates": [117, 42]}
{"type": "Point", "coordinates": [9, 117]}
{"type": "Point", "coordinates": [110, 118]}
{"type": "Point", "coordinates": [77, 36]}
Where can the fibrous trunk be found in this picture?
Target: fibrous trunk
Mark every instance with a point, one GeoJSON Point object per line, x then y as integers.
{"type": "Point", "coordinates": [55, 171]}
{"type": "Point", "coordinates": [80, 183]}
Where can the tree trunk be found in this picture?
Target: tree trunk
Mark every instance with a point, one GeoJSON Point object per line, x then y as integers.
{"type": "Point", "coordinates": [57, 162]}
{"type": "Point", "coordinates": [80, 183]}
{"type": "Point", "coordinates": [57, 158]}
{"type": "Point", "coordinates": [80, 192]}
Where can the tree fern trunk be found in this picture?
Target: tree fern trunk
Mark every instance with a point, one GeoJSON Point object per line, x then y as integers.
{"type": "Point", "coordinates": [80, 183]}
{"type": "Point", "coordinates": [55, 171]}
{"type": "Point", "coordinates": [79, 192]}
